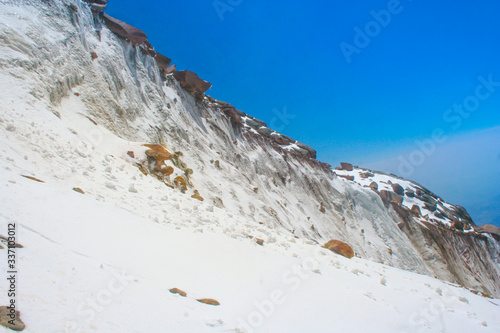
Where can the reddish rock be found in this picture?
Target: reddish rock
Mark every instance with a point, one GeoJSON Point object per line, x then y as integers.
{"type": "Point", "coordinates": [338, 168]}
{"type": "Point", "coordinates": [94, 55]}
{"type": "Point", "coordinates": [351, 178]}
{"type": "Point", "coordinates": [191, 81]}
{"type": "Point", "coordinates": [122, 29]}
{"type": "Point", "coordinates": [208, 301]}
{"type": "Point", "coordinates": [374, 186]}
{"type": "Point", "coordinates": [346, 166]}
{"type": "Point", "coordinates": [311, 151]}
{"type": "Point", "coordinates": [163, 63]}
{"type": "Point", "coordinates": [178, 292]}
{"type": "Point", "coordinates": [389, 196]}
{"type": "Point", "coordinates": [259, 241]}
{"type": "Point", "coordinates": [339, 247]}
{"type": "Point", "coordinates": [131, 154]}
{"type": "Point", "coordinates": [79, 190]}
{"type": "Point", "coordinates": [398, 189]}
{"type": "Point", "coordinates": [416, 210]}
{"type": "Point", "coordinates": [197, 196]}
{"type": "Point", "coordinates": [366, 174]}
{"type": "Point", "coordinates": [171, 69]}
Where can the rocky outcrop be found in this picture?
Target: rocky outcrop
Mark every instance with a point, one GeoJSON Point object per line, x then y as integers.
{"type": "Point", "coordinates": [163, 63]}
{"type": "Point", "coordinates": [192, 82]}
{"type": "Point", "coordinates": [489, 229]}
{"type": "Point", "coordinates": [346, 166]}
{"type": "Point", "coordinates": [124, 30]}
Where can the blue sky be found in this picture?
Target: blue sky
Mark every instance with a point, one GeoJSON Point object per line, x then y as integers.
{"type": "Point", "coordinates": [369, 107]}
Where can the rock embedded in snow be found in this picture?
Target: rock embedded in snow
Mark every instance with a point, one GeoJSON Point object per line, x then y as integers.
{"type": "Point", "coordinates": [178, 291]}
{"type": "Point", "coordinates": [398, 189]}
{"type": "Point", "coordinates": [339, 247]}
{"type": "Point", "coordinates": [373, 186]}
{"type": "Point", "coordinates": [489, 228]}
{"type": "Point", "coordinates": [11, 318]}
{"type": "Point", "coordinates": [208, 301]}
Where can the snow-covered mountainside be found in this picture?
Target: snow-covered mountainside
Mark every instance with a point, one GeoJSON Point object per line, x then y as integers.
{"type": "Point", "coordinates": [149, 184]}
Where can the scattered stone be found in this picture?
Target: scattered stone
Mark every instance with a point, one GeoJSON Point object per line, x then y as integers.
{"type": "Point", "coordinates": [77, 94]}
{"type": "Point", "coordinates": [131, 154]}
{"type": "Point", "coordinates": [181, 182]}
{"type": "Point", "coordinates": [339, 247]}
{"type": "Point", "coordinates": [208, 301]}
{"type": "Point", "coordinates": [33, 178]}
{"type": "Point", "coordinates": [389, 196]}
{"type": "Point", "coordinates": [366, 174]}
{"type": "Point", "coordinates": [197, 196]}
{"type": "Point", "coordinates": [178, 291]}
{"type": "Point", "coordinates": [346, 166]}
{"type": "Point", "coordinates": [398, 189]}
{"type": "Point", "coordinates": [92, 120]}
{"type": "Point", "coordinates": [15, 323]}
{"type": "Point", "coordinates": [322, 208]}
{"type": "Point", "coordinates": [259, 241]}
{"type": "Point", "coordinates": [143, 170]}
{"type": "Point", "coordinates": [79, 190]}
{"type": "Point", "coordinates": [351, 178]}
{"type": "Point", "coordinates": [416, 210]}
{"type": "Point", "coordinates": [410, 193]}
{"type": "Point", "coordinates": [94, 55]}
{"type": "Point", "coordinates": [374, 186]}
{"type": "Point", "coordinates": [11, 128]}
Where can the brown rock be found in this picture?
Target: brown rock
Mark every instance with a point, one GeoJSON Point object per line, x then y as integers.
{"type": "Point", "coordinates": [351, 178]}
{"type": "Point", "coordinates": [33, 178]}
{"type": "Point", "coordinates": [191, 81]}
{"type": "Point", "coordinates": [208, 301]}
{"type": "Point", "coordinates": [259, 241]}
{"type": "Point", "coordinates": [389, 196]}
{"type": "Point", "coordinates": [398, 189]}
{"type": "Point", "coordinates": [15, 323]}
{"type": "Point", "coordinates": [346, 166]}
{"type": "Point", "coordinates": [158, 152]}
{"type": "Point", "coordinates": [163, 62]}
{"type": "Point", "coordinates": [322, 208]}
{"type": "Point", "coordinates": [171, 69]}
{"type": "Point", "coordinates": [131, 154]}
{"type": "Point", "coordinates": [197, 196]}
{"type": "Point", "coordinates": [79, 190]}
{"type": "Point", "coordinates": [178, 291]}
{"type": "Point", "coordinates": [488, 228]}
{"type": "Point", "coordinates": [181, 182]}
{"type": "Point", "coordinates": [122, 29]}
{"type": "Point", "coordinates": [339, 247]}
{"type": "Point", "coordinates": [366, 174]}
{"type": "Point", "coordinates": [416, 210]}
{"type": "Point", "coordinates": [374, 186]}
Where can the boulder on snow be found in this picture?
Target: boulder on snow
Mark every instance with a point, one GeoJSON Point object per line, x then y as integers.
{"type": "Point", "coordinates": [6, 320]}
{"type": "Point", "coordinates": [346, 166]}
{"type": "Point", "coordinates": [398, 189]}
{"type": "Point", "coordinates": [197, 196]}
{"type": "Point", "coordinates": [374, 186]}
{"type": "Point", "coordinates": [409, 193]}
{"type": "Point", "coordinates": [208, 301]}
{"type": "Point", "coordinates": [339, 247]}
{"type": "Point", "coordinates": [366, 174]}
{"type": "Point", "coordinates": [122, 29]}
{"type": "Point", "coordinates": [178, 291]}
{"type": "Point", "coordinates": [191, 81]}
{"type": "Point", "coordinates": [348, 177]}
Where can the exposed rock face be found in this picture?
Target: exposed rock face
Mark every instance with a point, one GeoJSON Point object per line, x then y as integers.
{"type": "Point", "coordinates": [163, 63]}
{"type": "Point", "coordinates": [122, 29]}
{"type": "Point", "coordinates": [191, 81]}
{"type": "Point", "coordinates": [289, 183]}
{"type": "Point", "coordinates": [339, 247]}
{"type": "Point", "coordinates": [490, 229]}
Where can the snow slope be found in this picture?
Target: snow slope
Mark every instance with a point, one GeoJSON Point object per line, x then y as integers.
{"type": "Point", "coordinates": [70, 122]}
